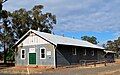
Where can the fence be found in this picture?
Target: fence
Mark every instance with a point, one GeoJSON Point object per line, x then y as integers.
{"type": "Point", "coordinates": [92, 62]}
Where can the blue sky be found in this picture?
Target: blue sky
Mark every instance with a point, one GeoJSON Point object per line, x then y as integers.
{"type": "Point", "coordinates": [76, 18]}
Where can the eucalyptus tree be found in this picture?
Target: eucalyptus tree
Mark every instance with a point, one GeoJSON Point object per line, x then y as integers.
{"type": "Point", "coordinates": [6, 34]}
{"type": "Point", "coordinates": [23, 20]}
{"type": "Point", "coordinates": [15, 24]}
{"type": "Point", "coordinates": [1, 5]}
{"type": "Point", "coordinates": [91, 39]}
{"type": "Point", "coordinates": [114, 46]}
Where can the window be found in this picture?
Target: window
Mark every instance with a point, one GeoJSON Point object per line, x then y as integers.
{"type": "Point", "coordinates": [92, 53]}
{"type": "Point", "coordinates": [84, 52]}
{"type": "Point", "coordinates": [74, 51]}
{"type": "Point", "coordinates": [23, 54]}
{"type": "Point", "coordinates": [42, 53]}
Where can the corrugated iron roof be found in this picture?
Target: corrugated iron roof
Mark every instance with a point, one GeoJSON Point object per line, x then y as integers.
{"type": "Point", "coordinates": [55, 39]}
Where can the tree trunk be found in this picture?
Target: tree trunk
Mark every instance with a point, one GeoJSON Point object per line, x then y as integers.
{"type": "Point", "coordinates": [0, 10]}
{"type": "Point", "coordinates": [5, 51]}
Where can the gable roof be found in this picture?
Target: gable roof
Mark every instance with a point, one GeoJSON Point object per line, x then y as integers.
{"type": "Point", "coordinates": [55, 39]}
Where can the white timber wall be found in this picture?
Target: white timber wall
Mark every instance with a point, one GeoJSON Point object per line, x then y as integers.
{"type": "Point", "coordinates": [32, 39]}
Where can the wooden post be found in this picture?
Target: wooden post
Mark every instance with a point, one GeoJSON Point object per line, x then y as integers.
{"type": "Point", "coordinates": [105, 63]}
{"type": "Point", "coordinates": [85, 63]}
{"type": "Point", "coordinates": [28, 72]}
{"type": "Point", "coordinates": [95, 63]}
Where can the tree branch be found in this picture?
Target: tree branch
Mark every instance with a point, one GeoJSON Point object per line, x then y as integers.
{"type": "Point", "coordinates": [4, 1]}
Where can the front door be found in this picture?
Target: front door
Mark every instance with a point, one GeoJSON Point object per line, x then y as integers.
{"type": "Point", "coordinates": [32, 58]}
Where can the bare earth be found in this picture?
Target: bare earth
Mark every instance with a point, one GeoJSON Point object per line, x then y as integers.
{"type": "Point", "coordinates": [110, 69]}
{"type": "Point", "coordinates": [113, 69]}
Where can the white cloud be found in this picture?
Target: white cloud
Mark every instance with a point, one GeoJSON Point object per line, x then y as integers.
{"type": "Point", "coordinates": [77, 15]}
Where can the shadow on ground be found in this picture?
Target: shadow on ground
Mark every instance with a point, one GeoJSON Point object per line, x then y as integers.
{"type": "Point", "coordinates": [3, 65]}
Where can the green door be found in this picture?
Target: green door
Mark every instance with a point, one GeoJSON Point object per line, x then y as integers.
{"type": "Point", "coordinates": [32, 58]}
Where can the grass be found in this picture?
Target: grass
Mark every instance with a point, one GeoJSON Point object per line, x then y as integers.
{"type": "Point", "coordinates": [37, 70]}
{"type": "Point", "coordinates": [14, 70]}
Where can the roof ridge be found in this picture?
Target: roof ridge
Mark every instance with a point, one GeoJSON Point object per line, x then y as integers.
{"type": "Point", "coordinates": [57, 39]}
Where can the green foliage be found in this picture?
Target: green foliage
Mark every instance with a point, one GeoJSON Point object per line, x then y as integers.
{"type": "Point", "coordinates": [1, 5]}
{"type": "Point", "coordinates": [90, 39]}
{"type": "Point", "coordinates": [113, 46]}
{"type": "Point", "coordinates": [24, 20]}
{"type": "Point", "coordinates": [15, 24]}
{"type": "Point", "coordinates": [6, 34]}
{"type": "Point", "coordinates": [10, 54]}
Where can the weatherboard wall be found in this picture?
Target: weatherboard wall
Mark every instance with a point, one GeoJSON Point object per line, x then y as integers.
{"type": "Point", "coordinates": [34, 41]}
{"type": "Point", "coordinates": [48, 61]}
{"type": "Point", "coordinates": [65, 56]}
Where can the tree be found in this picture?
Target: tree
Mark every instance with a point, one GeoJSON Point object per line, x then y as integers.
{"type": "Point", "coordinates": [113, 45]}
{"type": "Point", "coordinates": [90, 39]}
{"type": "Point", "coordinates": [1, 55]}
{"type": "Point", "coordinates": [6, 34]}
{"type": "Point", "coordinates": [14, 25]}
{"type": "Point", "coordinates": [24, 20]}
{"type": "Point", "coordinates": [1, 5]}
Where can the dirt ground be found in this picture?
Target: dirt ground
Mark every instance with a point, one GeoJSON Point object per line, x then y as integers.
{"type": "Point", "coordinates": [99, 69]}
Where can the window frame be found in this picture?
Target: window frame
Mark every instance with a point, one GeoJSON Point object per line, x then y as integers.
{"type": "Point", "coordinates": [44, 53]}
{"type": "Point", "coordinates": [92, 52]}
{"type": "Point", "coordinates": [74, 51]}
{"type": "Point", "coordinates": [85, 52]}
{"type": "Point", "coordinates": [22, 54]}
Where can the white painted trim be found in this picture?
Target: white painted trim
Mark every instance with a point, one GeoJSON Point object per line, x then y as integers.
{"type": "Point", "coordinates": [45, 52]}
{"type": "Point", "coordinates": [28, 57]}
{"type": "Point", "coordinates": [36, 57]}
{"type": "Point", "coordinates": [33, 44]}
{"type": "Point", "coordinates": [54, 48]}
{"type": "Point", "coordinates": [33, 40]}
{"type": "Point", "coordinates": [21, 54]}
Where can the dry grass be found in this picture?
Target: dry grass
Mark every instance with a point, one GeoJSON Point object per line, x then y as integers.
{"type": "Point", "coordinates": [14, 70]}
{"type": "Point", "coordinates": [116, 72]}
{"type": "Point", "coordinates": [117, 61]}
{"type": "Point", "coordinates": [20, 70]}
